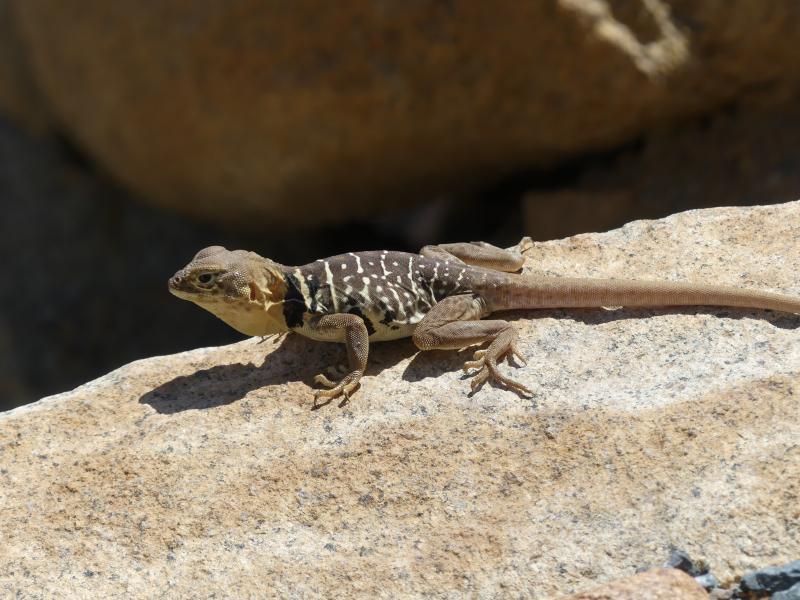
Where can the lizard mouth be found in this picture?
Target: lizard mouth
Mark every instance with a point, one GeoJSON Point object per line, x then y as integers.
{"type": "Point", "coordinates": [177, 291]}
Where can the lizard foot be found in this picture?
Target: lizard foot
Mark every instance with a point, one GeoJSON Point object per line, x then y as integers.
{"type": "Point", "coordinates": [344, 387]}
{"type": "Point", "coordinates": [275, 337]}
{"type": "Point", "coordinates": [524, 245]}
{"type": "Point", "coordinates": [336, 371]}
{"type": "Point", "coordinates": [503, 347]}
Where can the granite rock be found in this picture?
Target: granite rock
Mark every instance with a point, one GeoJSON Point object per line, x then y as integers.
{"type": "Point", "coordinates": [208, 472]}
{"type": "Point", "coordinates": [259, 115]}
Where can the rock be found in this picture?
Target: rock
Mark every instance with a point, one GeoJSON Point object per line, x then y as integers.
{"type": "Point", "coordinates": [19, 95]}
{"type": "Point", "coordinates": [772, 579]}
{"type": "Point", "coordinates": [793, 593]}
{"type": "Point", "coordinates": [679, 559]}
{"type": "Point", "coordinates": [707, 580]}
{"type": "Point", "coordinates": [658, 584]}
{"type": "Point", "coordinates": [703, 163]}
{"type": "Point", "coordinates": [208, 473]}
{"type": "Point", "coordinates": [260, 116]}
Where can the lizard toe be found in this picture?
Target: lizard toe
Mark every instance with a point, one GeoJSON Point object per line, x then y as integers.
{"type": "Point", "coordinates": [479, 379]}
{"type": "Point", "coordinates": [518, 355]}
{"type": "Point", "coordinates": [322, 380]}
{"type": "Point", "coordinates": [345, 387]}
{"type": "Point", "coordinates": [473, 364]}
{"type": "Point", "coordinates": [488, 370]}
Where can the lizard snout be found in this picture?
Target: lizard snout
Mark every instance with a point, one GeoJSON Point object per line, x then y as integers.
{"type": "Point", "coordinates": [175, 281]}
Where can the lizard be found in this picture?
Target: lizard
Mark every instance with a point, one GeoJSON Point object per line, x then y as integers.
{"type": "Point", "coordinates": [438, 297]}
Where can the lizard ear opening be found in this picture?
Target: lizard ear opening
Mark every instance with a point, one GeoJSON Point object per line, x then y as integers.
{"type": "Point", "coordinates": [255, 293]}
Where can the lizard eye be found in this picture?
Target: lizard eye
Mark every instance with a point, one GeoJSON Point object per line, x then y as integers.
{"type": "Point", "coordinates": [206, 278]}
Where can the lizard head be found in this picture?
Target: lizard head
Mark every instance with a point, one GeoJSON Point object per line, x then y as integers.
{"type": "Point", "coordinates": [235, 285]}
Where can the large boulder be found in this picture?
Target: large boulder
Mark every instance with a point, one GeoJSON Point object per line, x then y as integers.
{"type": "Point", "coordinates": [266, 116]}
{"type": "Point", "coordinates": [208, 473]}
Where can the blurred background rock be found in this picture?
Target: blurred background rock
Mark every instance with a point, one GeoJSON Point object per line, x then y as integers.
{"type": "Point", "coordinates": [132, 134]}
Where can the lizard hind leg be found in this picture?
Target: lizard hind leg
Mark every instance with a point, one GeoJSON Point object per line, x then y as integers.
{"type": "Point", "coordinates": [479, 254]}
{"type": "Point", "coordinates": [454, 324]}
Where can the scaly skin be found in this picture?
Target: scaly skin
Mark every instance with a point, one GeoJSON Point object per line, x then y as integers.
{"type": "Point", "coordinates": [439, 298]}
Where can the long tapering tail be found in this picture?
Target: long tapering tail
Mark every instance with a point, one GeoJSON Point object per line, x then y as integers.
{"type": "Point", "coordinates": [524, 291]}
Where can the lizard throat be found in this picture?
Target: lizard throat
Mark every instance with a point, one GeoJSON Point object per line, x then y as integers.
{"type": "Point", "coordinates": [249, 318]}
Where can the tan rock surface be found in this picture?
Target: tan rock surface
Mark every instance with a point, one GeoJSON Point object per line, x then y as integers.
{"type": "Point", "coordinates": [658, 584]}
{"type": "Point", "coordinates": [208, 473]}
{"type": "Point", "coordinates": [252, 113]}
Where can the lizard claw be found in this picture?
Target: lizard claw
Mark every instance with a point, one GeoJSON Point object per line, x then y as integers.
{"type": "Point", "coordinates": [514, 351]}
{"type": "Point", "coordinates": [479, 379]}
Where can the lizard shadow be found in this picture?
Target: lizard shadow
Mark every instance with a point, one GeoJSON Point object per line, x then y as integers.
{"type": "Point", "coordinates": [300, 359]}
{"type": "Point", "coordinates": [436, 362]}
{"type": "Point", "coordinates": [296, 359]}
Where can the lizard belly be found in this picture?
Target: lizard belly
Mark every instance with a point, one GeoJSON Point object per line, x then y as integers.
{"type": "Point", "coordinates": [385, 333]}
{"type": "Point", "coordinates": [385, 326]}
{"type": "Point", "coordinates": [380, 328]}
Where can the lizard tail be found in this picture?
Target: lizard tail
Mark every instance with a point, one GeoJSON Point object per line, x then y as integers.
{"type": "Point", "coordinates": [524, 291]}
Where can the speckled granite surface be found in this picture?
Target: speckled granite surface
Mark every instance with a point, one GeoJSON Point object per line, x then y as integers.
{"type": "Point", "coordinates": [206, 473]}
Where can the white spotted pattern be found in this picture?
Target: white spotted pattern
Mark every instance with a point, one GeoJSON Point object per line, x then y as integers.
{"type": "Point", "coordinates": [331, 286]}
{"type": "Point", "coordinates": [411, 276]}
{"type": "Point", "coordinates": [358, 263]}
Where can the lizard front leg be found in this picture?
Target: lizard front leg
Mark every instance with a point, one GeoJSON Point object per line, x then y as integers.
{"type": "Point", "coordinates": [454, 323]}
{"type": "Point", "coordinates": [351, 330]}
{"type": "Point", "coordinates": [480, 254]}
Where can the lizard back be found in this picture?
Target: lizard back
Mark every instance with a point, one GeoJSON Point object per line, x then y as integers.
{"type": "Point", "coordinates": [390, 291]}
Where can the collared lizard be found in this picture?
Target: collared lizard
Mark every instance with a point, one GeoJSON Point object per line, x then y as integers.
{"type": "Point", "coordinates": [438, 297]}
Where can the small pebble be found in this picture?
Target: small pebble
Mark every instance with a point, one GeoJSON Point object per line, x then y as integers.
{"type": "Point", "coordinates": [679, 559]}
{"type": "Point", "coordinates": [708, 581]}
